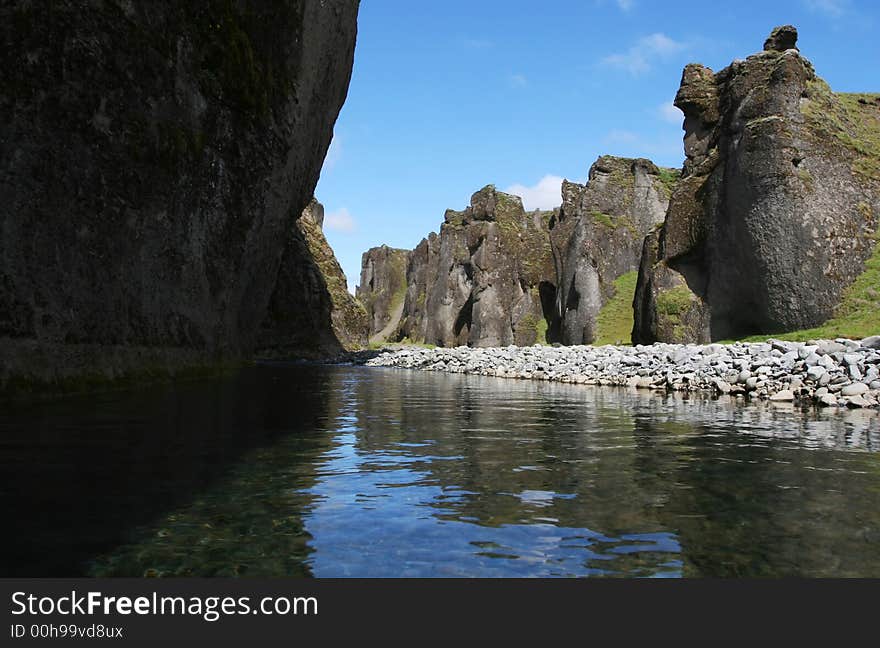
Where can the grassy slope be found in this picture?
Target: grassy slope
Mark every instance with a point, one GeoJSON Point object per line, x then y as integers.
{"type": "Point", "coordinates": [615, 321]}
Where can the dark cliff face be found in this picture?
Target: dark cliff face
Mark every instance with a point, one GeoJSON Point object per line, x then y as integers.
{"type": "Point", "coordinates": [777, 209]}
{"type": "Point", "coordinates": [311, 313]}
{"type": "Point", "coordinates": [598, 236]}
{"type": "Point", "coordinates": [486, 280]}
{"type": "Point", "coordinates": [153, 159]}
{"type": "Point", "coordinates": [382, 290]}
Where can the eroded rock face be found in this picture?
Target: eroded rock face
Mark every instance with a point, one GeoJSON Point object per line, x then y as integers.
{"type": "Point", "coordinates": [485, 280]}
{"type": "Point", "coordinates": [495, 275]}
{"type": "Point", "coordinates": [382, 290]}
{"type": "Point", "coordinates": [153, 161]}
{"type": "Point", "coordinates": [598, 235]}
{"type": "Point", "coordinates": [311, 313]}
{"type": "Point", "coordinates": [777, 208]}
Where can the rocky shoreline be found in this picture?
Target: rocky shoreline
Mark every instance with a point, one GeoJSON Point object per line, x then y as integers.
{"type": "Point", "coordinates": [828, 373]}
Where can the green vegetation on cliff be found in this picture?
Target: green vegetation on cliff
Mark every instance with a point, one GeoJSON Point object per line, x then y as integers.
{"type": "Point", "coordinates": [669, 178]}
{"type": "Point", "coordinates": [848, 119]}
{"type": "Point", "coordinates": [615, 321]}
{"type": "Point", "coordinates": [349, 319]}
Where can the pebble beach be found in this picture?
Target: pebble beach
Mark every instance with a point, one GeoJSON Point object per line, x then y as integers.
{"type": "Point", "coordinates": [827, 373]}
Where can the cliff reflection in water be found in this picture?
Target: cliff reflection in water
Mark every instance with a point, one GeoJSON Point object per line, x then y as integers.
{"type": "Point", "coordinates": [419, 474]}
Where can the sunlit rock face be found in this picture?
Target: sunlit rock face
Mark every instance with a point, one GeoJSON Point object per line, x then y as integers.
{"type": "Point", "coordinates": [778, 206]}
{"type": "Point", "coordinates": [485, 280]}
{"type": "Point", "coordinates": [597, 237]}
{"type": "Point", "coordinates": [382, 290]}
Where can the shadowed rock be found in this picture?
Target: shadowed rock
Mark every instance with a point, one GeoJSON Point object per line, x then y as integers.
{"type": "Point", "coordinates": [154, 158]}
{"type": "Point", "coordinates": [311, 313]}
{"type": "Point", "coordinates": [781, 39]}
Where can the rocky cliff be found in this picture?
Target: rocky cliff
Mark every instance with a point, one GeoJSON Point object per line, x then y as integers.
{"type": "Point", "coordinates": [597, 238]}
{"type": "Point", "coordinates": [485, 280]}
{"type": "Point", "coordinates": [778, 207]}
{"type": "Point", "coordinates": [153, 161]}
{"type": "Point", "coordinates": [382, 290]}
{"type": "Point", "coordinates": [497, 275]}
{"type": "Point", "coordinates": [311, 313]}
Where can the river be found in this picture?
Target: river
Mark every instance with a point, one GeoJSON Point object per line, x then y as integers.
{"type": "Point", "coordinates": [329, 471]}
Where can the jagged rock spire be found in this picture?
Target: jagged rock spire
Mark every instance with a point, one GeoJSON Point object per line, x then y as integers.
{"type": "Point", "coordinates": [781, 39]}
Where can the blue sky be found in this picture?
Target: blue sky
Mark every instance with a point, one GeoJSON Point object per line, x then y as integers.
{"type": "Point", "coordinates": [449, 96]}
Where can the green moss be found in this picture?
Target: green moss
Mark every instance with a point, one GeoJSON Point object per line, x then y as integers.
{"type": "Point", "coordinates": [397, 264]}
{"type": "Point", "coordinates": [541, 330]}
{"type": "Point", "coordinates": [848, 120]}
{"type": "Point", "coordinates": [601, 219]}
{"type": "Point", "coordinates": [669, 179]}
{"type": "Point", "coordinates": [615, 321]}
{"type": "Point", "coordinates": [408, 342]}
{"type": "Point", "coordinates": [153, 371]}
{"type": "Point", "coordinates": [675, 302]}
{"type": "Point", "coordinates": [244, 52]}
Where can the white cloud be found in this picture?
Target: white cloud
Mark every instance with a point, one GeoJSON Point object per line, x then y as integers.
{"type": "Point", "coordinates": [669, 113]}
{"type": "Point", "coordinates": [546, 194]}
{"type": "Point", "coordinates": [638, 58]}
{"type": "Point", "coordinates": [340, 221]}
{"type": "Point", "coordinates": [834, 8]}
{"type": "Point", "coordinates": [517, 81]}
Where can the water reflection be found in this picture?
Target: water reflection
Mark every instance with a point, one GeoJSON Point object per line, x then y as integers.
{"type": "Point", "coordinates": [365, 472]}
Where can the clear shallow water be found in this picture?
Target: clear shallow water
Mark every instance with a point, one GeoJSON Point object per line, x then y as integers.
{"type": "Point", "coordinates": [340, 471]}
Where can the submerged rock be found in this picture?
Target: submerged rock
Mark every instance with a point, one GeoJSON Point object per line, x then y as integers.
{"type": "Point", "coordinates": [777, 208]}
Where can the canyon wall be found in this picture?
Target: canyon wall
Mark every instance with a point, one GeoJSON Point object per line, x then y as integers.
{"type": "Point", "coordinates": [597, 237]}
{"type": "Point", "coordinates": [154, 159]}
{"type": "Point", "coordinates": [382, 290]}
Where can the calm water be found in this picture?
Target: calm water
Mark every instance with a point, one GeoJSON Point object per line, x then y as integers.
{"type": "Point", "coordinates": [340, 471]}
